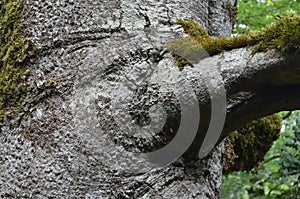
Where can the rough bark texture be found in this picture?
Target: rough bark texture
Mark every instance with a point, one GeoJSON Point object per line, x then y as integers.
{"type": "Point", "coordinates": [85, 49]}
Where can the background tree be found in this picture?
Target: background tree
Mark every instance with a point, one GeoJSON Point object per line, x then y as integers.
{"type": "Point", "coordinates": [63, 135]}
{"type": "Point", "coordinates": [257, 14]}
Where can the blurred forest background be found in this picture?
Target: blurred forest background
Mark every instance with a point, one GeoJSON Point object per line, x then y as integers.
{"type": "Point", "coordinates": [278, 176]}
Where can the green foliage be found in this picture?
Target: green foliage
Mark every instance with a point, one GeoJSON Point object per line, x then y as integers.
{"type": "Point", "coordinates": [14, 56]}
{"type": "Point", "coordinates": [257, 14]}
{"type": "Point", "coordinates": [289, 146]}
{"type": "Point", "coordinates": [278, 176]}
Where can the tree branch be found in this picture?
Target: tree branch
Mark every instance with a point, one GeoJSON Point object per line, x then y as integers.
{"type": "Point", "coordinates": [263, 14]}
{"type": "Point", "coordinates": [287, 115]}
{"type": "Point", "coordinates": [265, 161]}
{"type": "Point", "coordinates": [255, 86]}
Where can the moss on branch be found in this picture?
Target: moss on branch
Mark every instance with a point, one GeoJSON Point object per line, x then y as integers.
{"type": "Point", "coordinates": [283, 35]}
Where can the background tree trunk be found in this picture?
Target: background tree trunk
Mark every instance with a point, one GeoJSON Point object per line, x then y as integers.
{"type": "Point", "coordinates": [105, 97]}
{"type": "Point", "coordinates": [56, 151]}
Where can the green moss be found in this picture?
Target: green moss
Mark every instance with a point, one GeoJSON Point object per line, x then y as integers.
{"type": "Point", "coordinates": [195, 30]}
{"type": "Point", "coordinates": [284, 36]}
{"type": "Point", "coordinates": [15, 55]}
{"type": "Point", "coordinates": [189, 49]}
{"type": "Point", "coordinates": [251, 143]}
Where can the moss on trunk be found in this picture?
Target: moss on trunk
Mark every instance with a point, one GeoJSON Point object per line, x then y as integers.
{"type": "Point", "coordinates": [15, 56]}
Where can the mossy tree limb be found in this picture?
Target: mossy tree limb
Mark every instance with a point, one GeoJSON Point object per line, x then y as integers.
{"type": "Point", "coordinates": [282, 36]}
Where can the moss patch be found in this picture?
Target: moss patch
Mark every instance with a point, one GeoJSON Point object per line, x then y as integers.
{"type": "Point", "coordinates": [284, 36]}
{"type": "Point", "coordinates": [188, 53]}
{"type": "Point", "coordinates": [15, 56]}
{"type": "Point", "coordinates": [251, 143]}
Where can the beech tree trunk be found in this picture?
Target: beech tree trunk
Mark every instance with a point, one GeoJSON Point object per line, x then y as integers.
{"type": "Point", "coordinates": [101, 64]}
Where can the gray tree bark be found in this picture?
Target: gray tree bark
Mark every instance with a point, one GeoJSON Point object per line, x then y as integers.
{"type": "Point", "coordinates": [91, 53]}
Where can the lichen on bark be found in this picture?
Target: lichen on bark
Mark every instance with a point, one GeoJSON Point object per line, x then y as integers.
{"type": "Point", "coordinates": [15, 56]}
